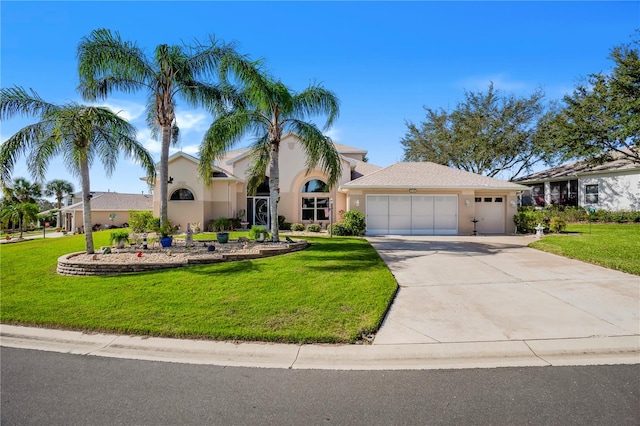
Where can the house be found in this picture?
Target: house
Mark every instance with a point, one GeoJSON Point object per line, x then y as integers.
{"type": "Point", "coordinates": [612, 185]}
{"type": "Point", "coordinates": [404, 198]}
{"type": "Point", "coordinates": [107, 209]}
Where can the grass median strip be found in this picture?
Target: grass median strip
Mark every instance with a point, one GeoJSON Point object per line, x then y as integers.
{"type": "Point", "coordinates": [334, 291]}
{"type": "Point", "coordinates": [615, 246]}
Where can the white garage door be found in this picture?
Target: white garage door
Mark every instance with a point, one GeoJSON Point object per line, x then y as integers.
{"type": "Point", "coordinates": [490, 212]}
{"type": "Point", "coordinates": [412, 214]}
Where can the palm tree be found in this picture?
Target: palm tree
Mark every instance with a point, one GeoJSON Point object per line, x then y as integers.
{"type": "Point", "coordinates": [58, 188]}
{"type": "Point", "coordinates": [270, 110]}
{"type": "Point", "coordinates": [107, 63]}
{"type": "Point", "coordinates": [81, 134]}
{"type": "Point", "coordinates": [21, 201]}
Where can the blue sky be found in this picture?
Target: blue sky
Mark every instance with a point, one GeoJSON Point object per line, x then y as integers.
{"type": "Point", "coordinates": [384, 60]}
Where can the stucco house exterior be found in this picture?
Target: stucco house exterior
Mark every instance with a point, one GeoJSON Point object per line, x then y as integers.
{"type": "Point", "coordinates": [107, 208]}
{"type": "Point", "coordinates": [404, 198]}
{"type": "Point", "coordinates": [612, 185]}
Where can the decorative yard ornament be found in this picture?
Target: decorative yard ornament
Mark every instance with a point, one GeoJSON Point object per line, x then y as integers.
{"type": "Point", "coordinates": [139, 254]}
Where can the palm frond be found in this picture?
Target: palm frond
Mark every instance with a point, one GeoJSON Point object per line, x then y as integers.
{"type": "Point", "coordinates": [17, 101]}
{"type": "Point", "coordinates": [316, 100]}
{"type": "Point", "coordinates": [106, 63]}
{"type": "Point", "coordinates": [319, 149]}
{"type": "Point", "coordinates": [260, 155]}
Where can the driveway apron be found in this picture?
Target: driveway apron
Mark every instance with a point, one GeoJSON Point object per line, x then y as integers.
{"type": "Point", "coordinates": [487, 289]}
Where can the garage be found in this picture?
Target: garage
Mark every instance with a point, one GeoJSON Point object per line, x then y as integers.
{"type": "Point", "coordinates": [412, 214]}
{"type": "Point", "coordinates": [490, 213]}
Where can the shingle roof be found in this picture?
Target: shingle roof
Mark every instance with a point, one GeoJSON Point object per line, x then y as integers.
{"type": "Point", "coordinates": [114, 201]}
{"type": "Point", "coordinates": [362, 168]}
{"type": "Point", "coordinates": [581, 167]}
{"type": "Point", "coordinates": [428, 175]}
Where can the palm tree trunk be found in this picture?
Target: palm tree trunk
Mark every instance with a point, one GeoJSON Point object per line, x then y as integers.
{"type": "Point", "coordinates": [86, 206]}
{"type": "Point", "coordinates": [274, 189]}
{"type": "Point", "coordinates": [164, 174]}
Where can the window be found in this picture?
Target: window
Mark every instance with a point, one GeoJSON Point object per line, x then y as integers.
{"type": "Point", "coordinates": [537, 193]}
{"type": "Point", "coordinates": [498, 199]}
{"type": "Point", "coordinates": [314, 208]}
{"type": "Point", "coordinates": [478, 199]}
{"type": "Point", "coordinates": [591, 192]}
{"type": "Point", "coordinates": [315, 185]}
{"type": "Point", "coordinates": [182, 194]}
{"type": "Point", "coordinates": [487, 199]}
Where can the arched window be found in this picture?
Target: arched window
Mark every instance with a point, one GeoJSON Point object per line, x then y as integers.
{"type": "Point", "coordinates": [315, 208]}
{"type": "Point", "coordinates": [315, 185]}
{"type": "Point", "coordinates": [182, 194]}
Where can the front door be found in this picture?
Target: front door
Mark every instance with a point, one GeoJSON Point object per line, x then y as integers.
{"type": "Point", "coordinates": [258, 211]}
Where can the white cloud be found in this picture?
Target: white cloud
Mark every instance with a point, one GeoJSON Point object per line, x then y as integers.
{"type": "Point", "coordinates": [130, 111]}
{"type": "Point", "coordinates": [190, 149]}
{"type": "Point", "coordinates": [192, 121]}
{"type": "Point", "coordinates": [334, 133]}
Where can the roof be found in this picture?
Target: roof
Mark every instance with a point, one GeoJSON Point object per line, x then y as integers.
{"type": "Point", "coordinates": [362, 168]}
{"type": "Point", "coordinates": [428, 175]}
{"type": "Point", "coordinates": [618, 162]}
{"type": "Point", "coordinates": [114, 201]}
{"type": "Point", "coordinates": [233, 156]}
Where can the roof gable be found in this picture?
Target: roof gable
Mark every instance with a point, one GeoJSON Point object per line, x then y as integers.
{"type": "Point", "coordinates": [618, 162]}
{"type": "Point", "coordinates": [428, 175]}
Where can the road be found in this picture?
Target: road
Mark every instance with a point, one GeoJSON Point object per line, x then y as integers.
{"type": "Point", "coordinates": [54, 389]}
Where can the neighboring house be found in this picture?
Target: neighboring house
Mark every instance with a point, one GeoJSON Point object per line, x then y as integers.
{"type": "Point", "coordinates": [613, 185]}
{"type": "Point", "coordinates": [107, 209]}
{"type": "Point", "coordinates": [405, 198]}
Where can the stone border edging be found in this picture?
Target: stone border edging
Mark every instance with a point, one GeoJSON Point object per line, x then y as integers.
{"type": "Point", "coordinates": [66, 266]}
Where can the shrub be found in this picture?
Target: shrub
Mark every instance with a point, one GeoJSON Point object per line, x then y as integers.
{"type": "Point", "coordinates": [527, 219]}
{"type": "Point", "coordinates": [297, 227]}
{"type": "Point", "coordinates": [255, 231]}
{"type": "Point", "coordinates": [338, 229]}
{"type": "Point", "coordinates": [557, 225]}
{"type": "Point", "coordinates": [283, 225]}
{"type": "Point", "coordinates": [119, 235]}
{"type": "Point", "coordinates": [139, 221]}
{"type": "Point", "coordinates": [354, 221]}
{"type": "Point", "coordinates": [221, 224]}
{"type": "Point", "coordinates": [313, 227]}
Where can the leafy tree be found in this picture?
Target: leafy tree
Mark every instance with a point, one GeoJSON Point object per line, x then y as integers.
{"type": "Point", "coordinates": [270, 110]}
{"type": "Point", "coordinates": [81, 134]}
{"type": "Point", "coordinates": [58, 188]}
{"type": "Point", "coordinates": [487, 133]}
{"type": "Point", "coordinates": [107, 64]}
{"type": "Point", "coordinates": [21, 197]}
{"type": "Point", "coordinates": [603, 115]}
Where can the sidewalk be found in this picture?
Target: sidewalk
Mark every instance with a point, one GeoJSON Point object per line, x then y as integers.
{"type": "Point", "coordinates": [530, 353]}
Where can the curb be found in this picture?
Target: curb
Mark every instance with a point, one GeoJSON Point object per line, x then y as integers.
{"type": "Point", "coordinates": [515, 353]}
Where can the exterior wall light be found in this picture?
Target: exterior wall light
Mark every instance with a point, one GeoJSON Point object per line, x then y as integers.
{"type": "Point", "coordinates": [467, 203]}
{"type": "Point", "coordinates": [513, 203]}
{"type": "Point", "coordinates": [357, 203]}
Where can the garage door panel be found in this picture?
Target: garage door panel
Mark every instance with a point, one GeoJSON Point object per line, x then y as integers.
{"type": "Point", "coordinates": [377, 215]}
{"type": "Point", "coordinates": [422, 215]}
{"type": "Point", "coordinates": [399, 214]}
{"type": "Point", "coordinates": [412, 214]}
{"type": "Point", "coordinates": [490, 212]}
{"type": "Point", "coordinates": [446, 214]}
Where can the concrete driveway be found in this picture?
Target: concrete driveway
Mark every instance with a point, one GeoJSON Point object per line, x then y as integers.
{"type": "Point", "coordinates": [491, 289]}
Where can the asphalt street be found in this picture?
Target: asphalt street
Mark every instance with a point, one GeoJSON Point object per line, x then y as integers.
{"type": "Point", "coordinates": [54, 389]}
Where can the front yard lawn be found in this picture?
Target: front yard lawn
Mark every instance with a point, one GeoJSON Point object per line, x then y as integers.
{"type": "Point", "coordinates": [609, 245]}
{"type": "Point", "coordinates": [334, 291]}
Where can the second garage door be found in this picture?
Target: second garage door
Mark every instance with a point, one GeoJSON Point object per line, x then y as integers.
{"type": "Point", "coordinates": [412, 214]}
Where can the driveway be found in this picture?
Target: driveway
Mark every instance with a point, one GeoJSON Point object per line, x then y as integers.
{"type": "Point", "coordinates": [490, 289]}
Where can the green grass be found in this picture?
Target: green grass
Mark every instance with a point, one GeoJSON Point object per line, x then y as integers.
{"type": "Point", "coordinates": [334, 291]}
{"type": "Point", "coordinates": [614, 246]}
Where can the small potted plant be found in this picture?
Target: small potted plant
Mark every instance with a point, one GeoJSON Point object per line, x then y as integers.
{"type": "Point", "coordinates": [166, 231]}
{"type": "Point", "coordinates": [221, 225]}
{"type": "Point", "coordinates": [119, 237]}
